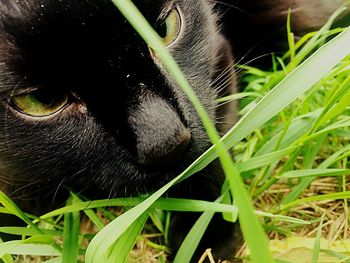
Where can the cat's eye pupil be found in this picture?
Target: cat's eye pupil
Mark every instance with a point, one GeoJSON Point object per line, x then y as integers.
{"type": "Point", "coordinates": [162, 30]}
{"type": "Point", "coordinates": [43, 97]}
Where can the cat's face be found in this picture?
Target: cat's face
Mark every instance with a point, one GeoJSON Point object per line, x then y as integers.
{"type": "Point", "coordinates": [85, 103]}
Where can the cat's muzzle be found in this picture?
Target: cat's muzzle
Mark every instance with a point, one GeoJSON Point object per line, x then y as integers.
{"type": "Point", "coordinates": [161, 137]}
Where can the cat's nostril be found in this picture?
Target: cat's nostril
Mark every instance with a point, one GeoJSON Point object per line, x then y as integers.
{"type": "Point", "coordinates": [161, 137]}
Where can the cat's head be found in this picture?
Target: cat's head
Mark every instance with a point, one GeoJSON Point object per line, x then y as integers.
{"type": "Point", "coordinates": [86, 103]}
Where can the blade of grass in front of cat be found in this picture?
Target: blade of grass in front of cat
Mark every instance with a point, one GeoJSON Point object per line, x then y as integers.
{"type": "Point", "coordinates": [169, 204]}
{"type": "Point", "coordinates": [71, 237]}
{"type": "Point", "coordinates": [37, 246]}
{"type": "Point", "coordinates": [25, 231]}
{"type": "Point", "coordinates": [14, 209]}
{"type": "Point", "coordinates": [190, 243]}
{"type": "Point", "coordinates": [121, 249]}
{"type": "Point", "coordinates": [7, 258]}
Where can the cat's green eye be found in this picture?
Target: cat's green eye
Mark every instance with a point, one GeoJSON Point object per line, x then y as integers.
{"type": "Point", "coordinates": [171, 27]}
{"type": "Point", "coordinates": [39, 103]}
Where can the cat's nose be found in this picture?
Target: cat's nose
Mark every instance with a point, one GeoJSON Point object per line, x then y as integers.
{"type": "Point", "coordinates": [161, 137]}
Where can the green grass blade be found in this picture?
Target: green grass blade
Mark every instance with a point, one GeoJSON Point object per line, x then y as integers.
{"type": "Point", "coordinates": [189, 245]}
{"type": "Point", "coordinates": [191, 241]}
{"type": "Point", "coordinates": [33, 250]}
{"type": "Point", "coordinates": [121, 249]}
{"type": "Point", "coordinates": [94, 218]}
{"type": "Point", "coordinates": [296, 130]}
{"type": "Point", "coordinates": [317, 245]}
{"type": "Point", "coordinates": [263, 160]}
{"type": "Point", "coordinates": [251, 229]}
{"type": "Point", "coordinates": [25, 231]}
{"type": "Point", "coordinates": [283, 218]}
{"type": "Point", "coordinates": [169, 204]}
{"type": "Point", "coordinates": [37, 246]}
{"type": "Point", "coordinates": [238, 96]}
{"type": "Point", "coordinates": [103, 241]}
{"type": "Point", "coordinates": [71, 237]}
{"type": "Point", "coordinates": [54, 260]}
{"type": "Point", "coordinates": [312, 43]}
{"type": "Point", "coordinates": [333, 196]}
{"type": "Point", "coordinates": [7, 258]}
{"type": "Point", "coordinates": [305, 182]}
{"type": "Point", "coordinates": [14, 209]}
{"type": "Point", "coordinates": [315, 172]}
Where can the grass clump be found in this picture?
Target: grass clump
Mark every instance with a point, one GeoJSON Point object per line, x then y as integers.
{"type": "Point", "coordinates": [290, 160]}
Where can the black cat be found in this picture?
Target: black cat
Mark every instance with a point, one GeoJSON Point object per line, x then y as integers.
{"type": "Point", "coordinates": [86, 105]}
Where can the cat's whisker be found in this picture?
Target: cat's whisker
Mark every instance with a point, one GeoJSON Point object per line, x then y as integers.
{"type": "Point", "coordinates": [223, 85]}
{"type": "Point", "coordinates": [56, 192]}
{"type": "Point", "coordinates": [223, 74]}
{"type": "Point", "coordinates": [226, 102]}
{"type": "Point", "coordinates": [233, 6]}
{"type": "Point", "coordinates": [18, 190]}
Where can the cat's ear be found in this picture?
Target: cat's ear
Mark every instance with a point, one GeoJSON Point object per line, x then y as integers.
{"type": "Point", "coordinates": [225, 82]}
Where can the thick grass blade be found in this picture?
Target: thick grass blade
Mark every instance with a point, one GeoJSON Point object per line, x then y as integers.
{"type": "Point", "coordinates": [121, 249]}
{"type": "Point", "coordinates": [169, 204]}
{"type": "Point", "coordinates": [189, 245]}
{"type": "Point", "coordinates": [14, 209]}
{"type": "Point", "coordinates": [7, 258]}
{"type": "Point", "coordinates": [37, 246]}
{"type": "Point", "coordinates": [25, 231]}
{"type": "Point", "coordinates": [103, 241]}
{"type": "Point", "coordinates": [191, 241]}
{"type": "Point", "coordinates": [34, 250]}
{"type": "Point", "coordinates": [71, 237]}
